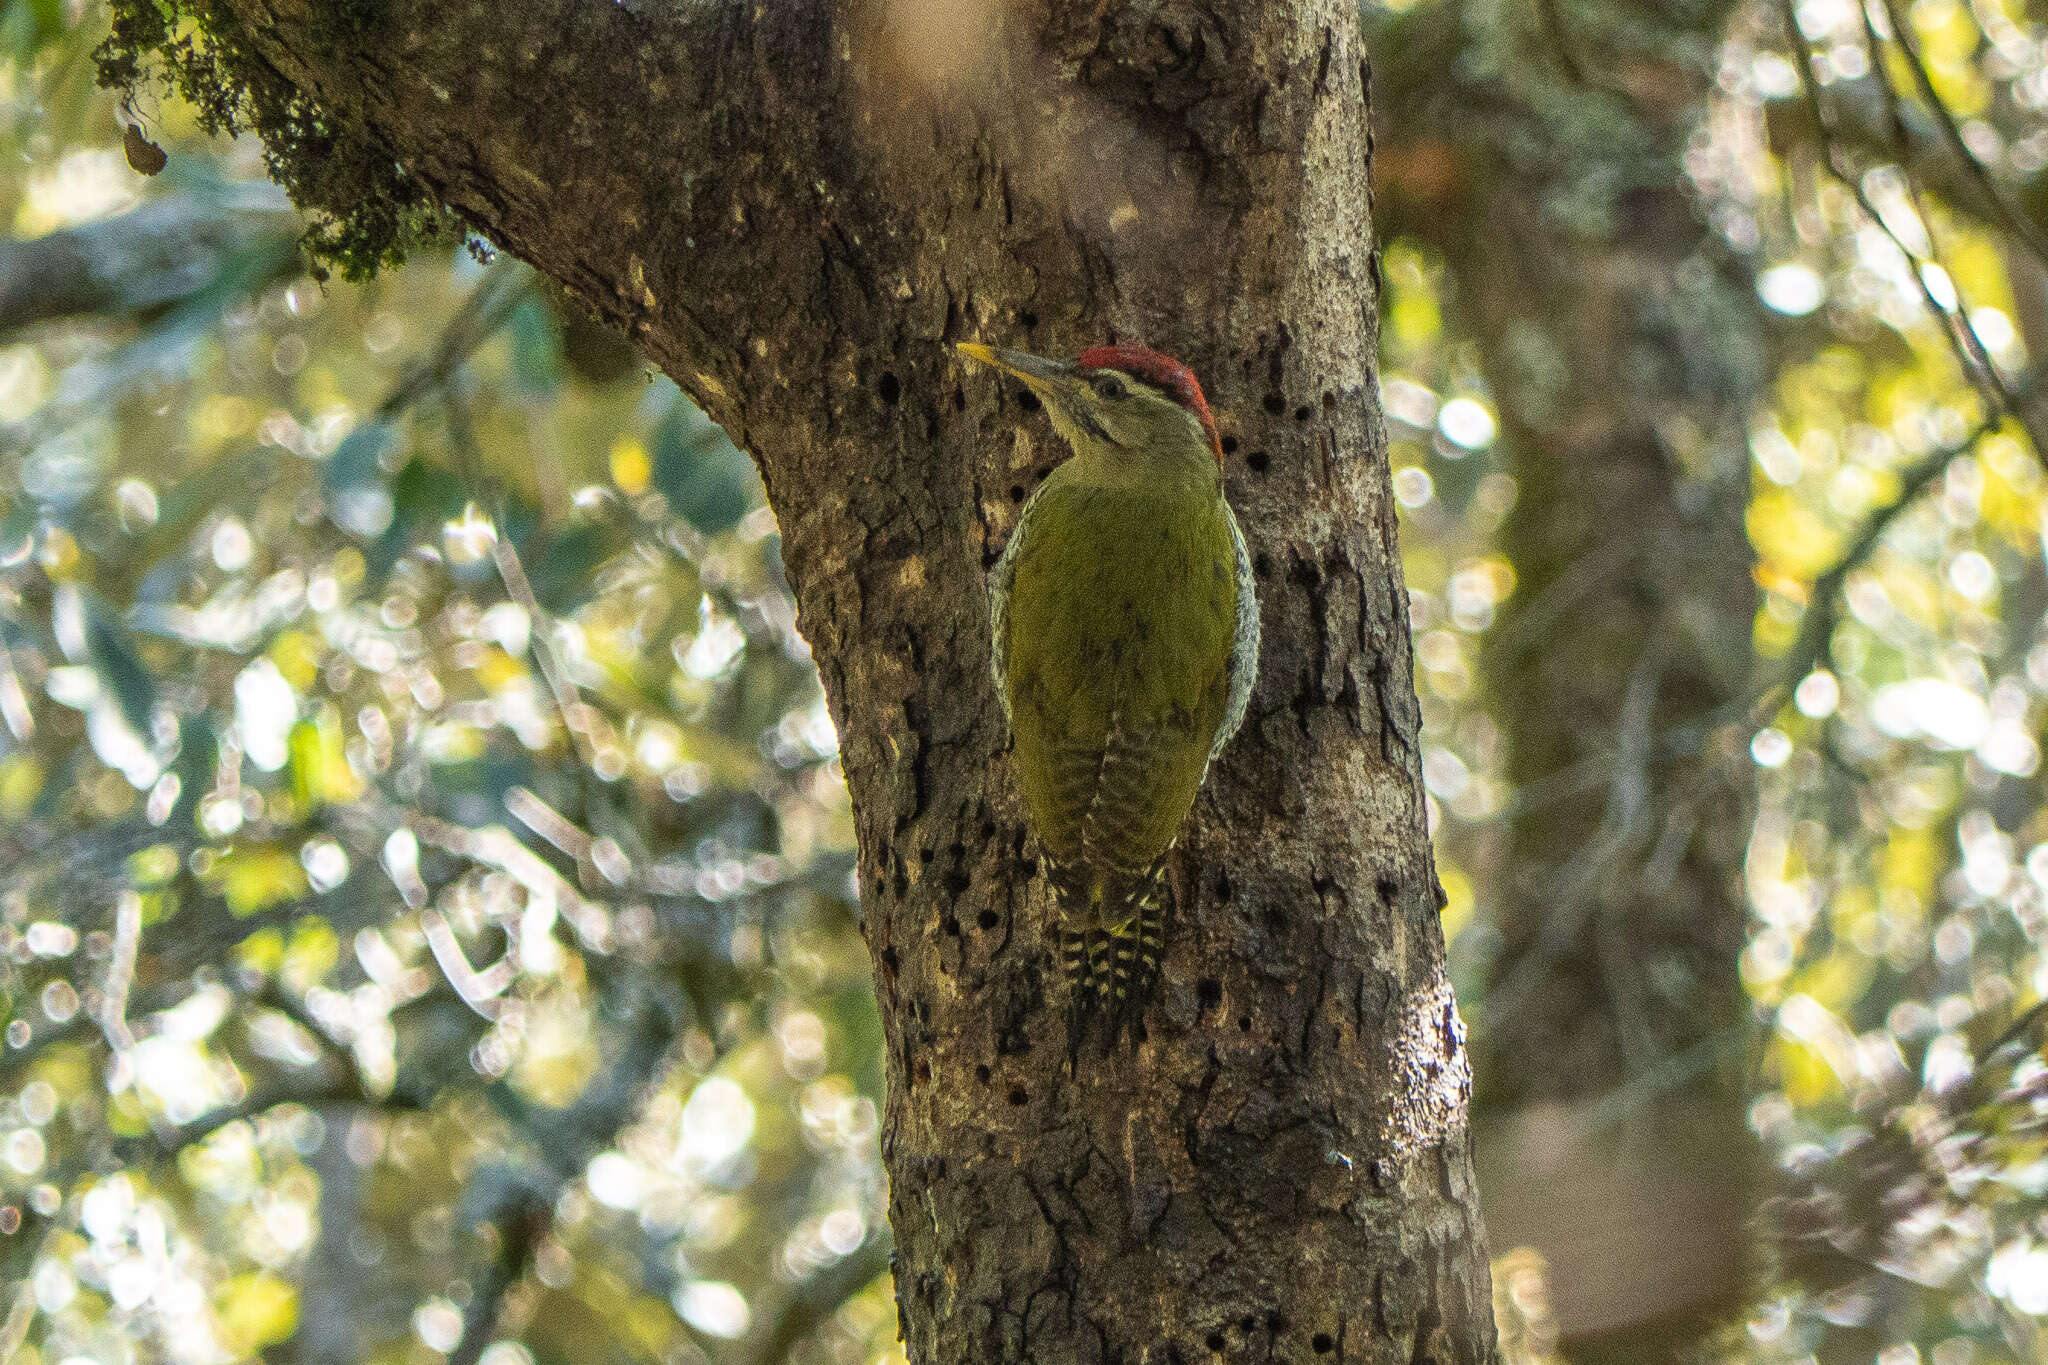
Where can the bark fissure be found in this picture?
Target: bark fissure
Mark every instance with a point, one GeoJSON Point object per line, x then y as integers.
{"type": "Point", "coordinates": [786, 204]}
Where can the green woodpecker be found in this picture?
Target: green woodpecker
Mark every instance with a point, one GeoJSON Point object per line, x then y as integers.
{"type": "Point", "coordinates": [1126, 637]}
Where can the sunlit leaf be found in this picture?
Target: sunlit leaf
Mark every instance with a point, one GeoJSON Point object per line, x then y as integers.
{"type": "Point", "coordinates": [256, 1310]}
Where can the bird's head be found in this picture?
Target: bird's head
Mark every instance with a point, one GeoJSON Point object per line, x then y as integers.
{"type": "Point", "coordinates": [1127, 404]}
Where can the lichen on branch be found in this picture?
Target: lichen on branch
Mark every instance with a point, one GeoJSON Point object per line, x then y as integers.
{"type": "Point", "coordinates": [366, 210]}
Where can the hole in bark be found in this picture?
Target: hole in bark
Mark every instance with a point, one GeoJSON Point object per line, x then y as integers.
{"type": "Point", "coordinates": [1257, 461]}
{"type": "Point", "coordinates": [1210, 993]}
{"type": "Point", "coordinates": [1244, 1025]}
{"type": "Point", "coordinates": [1247, 1324]}
{"type": "Point", "coordinates": [986, 919]}
{"type": "Point", "coordinates": [925, 855]}
{"type": "Point", "coordinates": [890, 961]}
{"type": "Point", "coordinates": [1016, 492]}
{"type": "Point", "coordinates": [1029, 867]}
{"type": "Point", "coordinates": [1230, 445]}
{"type": "Point", "coordinates": [1017, 1096]}
{"type": "Point", "coordinates": [1276, 923]}
{"type": "Point", "coordinates": [951, 926]}
{"type": "Point", "coordinates": [957, 882]}
{"type": "Point", "coordinates": [1262, 566]}
{"type": "Point", "coordinates": [1321, 1344]}
{"type": "Point", "coordinates": [1138, 1033]}
{"type": "Point", "coordinates": [1028, 401]}
{"type": "Point", "coordinates": [1223, 887]}
{"type": "Point", "coordinates": [1329, 401]}
{"type": "Point", "coordinates": [1029, 319]}
{"type": "Point", "coordinates": [988, 560]}
{"type": "Point", "coordinates": [1388, 889]}
{"type": "Point", "coordinates": [988, 831]}
{"type": "Point", "coordinates": [901, 884]}
{"type": "Point", "coordinates": [890, 388]}
{"type": "Point", "coordinates": [1214, 1341]}
{"type": "Point", "coordinates": [981, 1074]}
{"type": "Point", "coordinates": [939, 1168]}
{"type": "Point", "coordinates": [923, 1070]}
{"type": "Point", "coordinates": [1275, 403]}
{"type": "Point", "coordinates": [960, 399]}
{"type": "Point", "coordinates": [1303, 413]}
{"type": "Point", "coordinates": [1275, 1323]}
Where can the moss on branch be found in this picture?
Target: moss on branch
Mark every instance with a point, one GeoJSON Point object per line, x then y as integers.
{"type": "Point", "coordinates": [367, 211]}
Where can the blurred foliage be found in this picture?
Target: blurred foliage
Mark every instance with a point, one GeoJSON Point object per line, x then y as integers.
{"type": "Point", "coordinates": [1879, 169]}
{"type": "Point", "coordinates": [427, 928]}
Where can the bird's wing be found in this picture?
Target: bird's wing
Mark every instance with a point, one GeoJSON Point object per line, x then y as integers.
{"type": "Point", "coordinates": [1244, 649]}
{"type": "Point", "coordinates": [1001, 579]}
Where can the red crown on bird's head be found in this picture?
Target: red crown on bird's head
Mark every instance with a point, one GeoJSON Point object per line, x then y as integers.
{"type": "Point", "coordinates": [1162, 372]}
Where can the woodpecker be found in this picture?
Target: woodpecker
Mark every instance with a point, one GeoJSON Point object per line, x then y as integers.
{"type": "Point", "coordinates": [1126, 638]}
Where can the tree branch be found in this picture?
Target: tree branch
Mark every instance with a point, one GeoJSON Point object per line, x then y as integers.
{"type": "Point", "coordinates": [167, 250]}
{"type": "Point", "coordinates": [810, 1304]}
{"type": "Point", "coordinates": [794, 208]}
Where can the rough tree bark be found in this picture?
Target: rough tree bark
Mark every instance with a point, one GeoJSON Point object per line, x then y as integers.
{"type": "Point", "coordinates": [793, 208]}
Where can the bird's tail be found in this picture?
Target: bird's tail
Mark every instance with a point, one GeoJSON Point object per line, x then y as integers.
{"type": "Point", "coordinates": [1112, 940]}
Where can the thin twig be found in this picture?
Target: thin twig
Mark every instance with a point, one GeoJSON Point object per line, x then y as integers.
{"type": "Point", "coordinates": [810, 1304]}
{"type": "Point", "coordinates": [1976, 363]}
{"type": "Point", "coordinates": [520, 1222]}
{"type": "Point", "coordinates": [561, 687]}
{"type": "Point", "coordinates": [476, 320]}
{"type": "Point", "coordinates": [523, 1207]}
{"type": "Point", "coordinates": [121, 973]}
{"type": "Point", "coordinates": [1962, 331]}
{"type": "Point", "coordinates": [331, 1090]}
{"type": "Point", "coordinates": [1814, 645]}
{"type": "Point", "coordinates": [2028, 232]}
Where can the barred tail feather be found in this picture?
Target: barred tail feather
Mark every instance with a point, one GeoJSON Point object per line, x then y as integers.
{"type": "Point", "coordinates": [1111, 941]}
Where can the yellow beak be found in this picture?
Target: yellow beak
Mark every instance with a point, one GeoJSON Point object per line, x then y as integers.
{"type": "Point", "coordinates": [1040, 375]}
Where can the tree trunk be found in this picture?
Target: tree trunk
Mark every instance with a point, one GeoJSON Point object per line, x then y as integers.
{"type": "Point", "coordinates": [1626, 352]}
{"type": "Point", "coordinates": [794, 208]}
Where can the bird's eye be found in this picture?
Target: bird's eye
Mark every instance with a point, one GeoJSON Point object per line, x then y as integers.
{"type": "Point", "coordinates": [1109, 388]}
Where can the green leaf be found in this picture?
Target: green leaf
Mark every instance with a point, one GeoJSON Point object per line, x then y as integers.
{"type": "Point", "coordinates": [358, 460]}
{"type": "Point", "coordinates": [536, 350]}
{"type": "Point", "coordinates": [113, 657]}
{"type": "Point", "coordinates": [424, 497]}
{"type": "Point", "coordinates": [566, 565]}
{"type": "Point", "coordinates": [707, 479]}
{"type": "Point", "coordinates": [27, 26]}
{"type": "Point", "coordinates": [17, 535]}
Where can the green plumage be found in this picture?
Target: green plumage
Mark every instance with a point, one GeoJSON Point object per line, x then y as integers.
{"type": "Point", "coordinates": [1120, 622]}
{"type": "Point", "coordinates": [1126, 638]}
